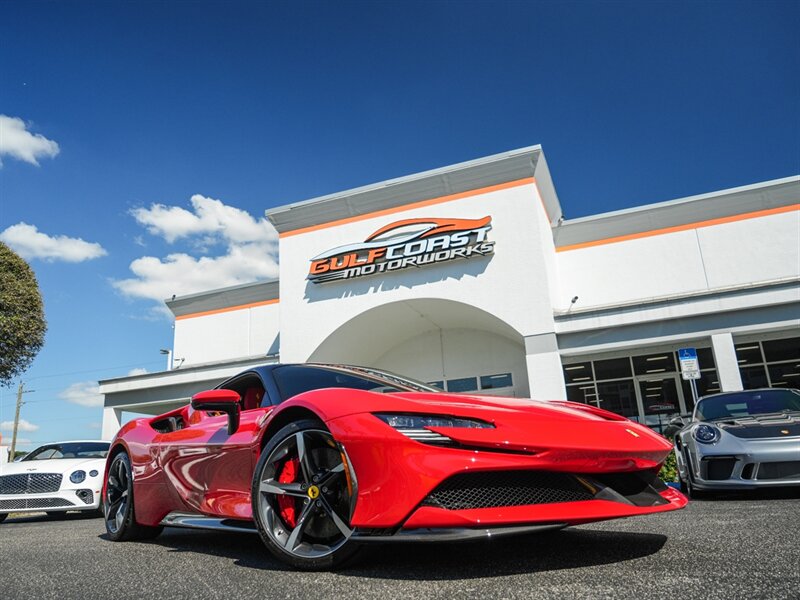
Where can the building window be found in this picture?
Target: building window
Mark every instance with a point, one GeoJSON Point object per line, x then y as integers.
{"type": "Point", "coordinates": [647, 388]}
{"type": "Point", "coordinates": [649, 364]}
{"type": "Point", "coordinates": [491, 382]}
{"type": "Point", "coordinates": [465, 384]}
{"type": "Point", "coordinates": [770, 363]}
{"type": "Point", "coordinates": [618, 397]}
{"type": "Point", "coordinates": [437, 384]}
{"type": "Point", "coordinates": [616, 368]}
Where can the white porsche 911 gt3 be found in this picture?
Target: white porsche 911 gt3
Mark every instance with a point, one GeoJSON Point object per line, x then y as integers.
{"type": "Point", "coordinates": [54, 478]}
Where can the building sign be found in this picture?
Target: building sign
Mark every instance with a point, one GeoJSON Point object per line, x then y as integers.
{"type": "Point", "coordinates": [402, 245]}
{"type": "Point", "coordinates": [690, 366]}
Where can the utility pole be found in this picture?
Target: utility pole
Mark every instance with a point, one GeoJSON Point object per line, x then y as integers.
{"type": "Point", "coordinates": [20, 391]}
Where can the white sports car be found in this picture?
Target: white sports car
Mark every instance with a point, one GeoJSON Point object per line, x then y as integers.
{"type": "Point", "coordinates": [54, 478]}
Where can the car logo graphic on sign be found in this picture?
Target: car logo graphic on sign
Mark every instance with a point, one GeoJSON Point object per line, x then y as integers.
{"type": "Point", "coordinates": [404, 244]}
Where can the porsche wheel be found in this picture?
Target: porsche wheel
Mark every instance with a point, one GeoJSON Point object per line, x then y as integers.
{"type": "Point", "coordinates": [302, 493]}
{"type": "Point", "coordinates": [688, 487]}
{"type": "Point", "coordinates": [119, 516]}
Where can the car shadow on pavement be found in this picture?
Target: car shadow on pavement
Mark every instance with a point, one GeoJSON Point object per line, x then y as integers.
{"type": "Point", "coordinates": [572, 548]}
{"type": "Point", "coordinates": [568, 549]}
{"type": "Point", "coordinates": [778, 493]}
{"type": "Point", "coordinates": [43, 518]}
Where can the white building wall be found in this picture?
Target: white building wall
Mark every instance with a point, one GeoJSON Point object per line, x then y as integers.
{"type": "Point", "coordinates": [730, 254]}
{"type": "Point", "coordinates": [753, 250]}
{"type": "Point", "coordinates": [232, 334]}
{"type": "Point", "coordinates": [512, 285]}
{"type": "Point", "coordinates": [456, 353]}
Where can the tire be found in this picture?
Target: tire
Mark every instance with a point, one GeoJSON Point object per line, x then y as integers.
{"type": "Point", "coordinates": [302, 498]}
{"type": "Point", "coordinates": [688, 486]}
{"type": "Point", "coordinates": [118, 512]}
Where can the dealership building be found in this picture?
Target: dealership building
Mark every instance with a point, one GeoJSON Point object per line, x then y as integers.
{"type": "Point", "coordinates": [471, 278]}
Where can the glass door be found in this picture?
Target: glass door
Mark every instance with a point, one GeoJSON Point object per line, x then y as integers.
{"type": "Point", "coordinates": [662, 399]}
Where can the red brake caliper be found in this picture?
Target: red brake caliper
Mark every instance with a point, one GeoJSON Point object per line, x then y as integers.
{"type": "Point", "coordinates": [289, 472]}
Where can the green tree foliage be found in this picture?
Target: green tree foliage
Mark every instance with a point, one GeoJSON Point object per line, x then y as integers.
{"type": "Point", "coordinates": [22, 323]}
{"type": "Point", "coordinates": [669, 471]}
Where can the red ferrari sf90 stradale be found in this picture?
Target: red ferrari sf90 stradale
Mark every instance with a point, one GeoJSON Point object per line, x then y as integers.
{"type": "Point", "coordinates": [323, 459]}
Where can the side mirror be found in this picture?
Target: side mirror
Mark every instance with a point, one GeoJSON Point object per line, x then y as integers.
{"type": "Point", "coordinates": [226, 401]}
{"type": "Point", "coordinates": [678, 422]}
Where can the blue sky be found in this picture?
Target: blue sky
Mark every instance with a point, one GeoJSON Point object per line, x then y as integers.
{"type": "Point", "coordinates": [166, 130]}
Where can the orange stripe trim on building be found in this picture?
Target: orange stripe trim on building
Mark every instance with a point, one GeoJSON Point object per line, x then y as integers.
{"type": "Point", "coordinates": [687, 226]}
{"type": "Point", "coordinates": [413, 205]}
{"type": "Point", "coordinates": [217, 311]}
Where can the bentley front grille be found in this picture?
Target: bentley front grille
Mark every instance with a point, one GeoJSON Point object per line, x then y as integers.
{"type": "Point", "coordinates": [30, 483]}
{"type": "Point", "coordinates": [28, 503]}
{"type": "Point", "coordinates": [506, 488]}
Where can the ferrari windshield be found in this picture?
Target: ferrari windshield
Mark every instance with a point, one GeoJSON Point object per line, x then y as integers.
{"type": "Point", "coordinates": [296, 379]}
{"type": "Point", "coordinates": [69, 450]}
{"type": "Point", "coordinates": [747, 404]}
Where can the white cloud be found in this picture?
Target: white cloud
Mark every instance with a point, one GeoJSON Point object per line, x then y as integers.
{"type": "Point", "coordinates": [24, 425]}
{"type": "Point", "coordinates": [16, 141]}
{"type": "Point", "coordinates": [209, 217]}
{"type": "Point", "coordinates": [84, 393]}
{"type": "Point", "coordinates": [251, 251]}
{"type": "Point", "coordinates": [137, 371]}
{"type": "Point", "coordinates": [31, 243]}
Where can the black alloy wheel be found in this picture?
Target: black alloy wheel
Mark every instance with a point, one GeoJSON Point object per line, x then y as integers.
{"type": "Point", "coordinates": [303, 496]}
{"type": "Point", "coordinates": [119, 516]}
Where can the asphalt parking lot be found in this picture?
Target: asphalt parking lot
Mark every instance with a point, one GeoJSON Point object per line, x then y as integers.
{"type": "Point", "coordinates": [734, 547]}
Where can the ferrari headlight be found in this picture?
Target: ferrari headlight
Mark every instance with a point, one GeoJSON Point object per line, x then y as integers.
{"type": "Point", "coordinates": [415, 426]}
{"type": "Point", "coordinates": [422, 421]}
{"type": "Point", "coordinates": [77, 476]}
{"type": "Point", "coordinates": [706, 434]}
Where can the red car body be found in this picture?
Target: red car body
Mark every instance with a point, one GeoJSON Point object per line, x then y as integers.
{"type": "Point", "coordinates": [200, 469]}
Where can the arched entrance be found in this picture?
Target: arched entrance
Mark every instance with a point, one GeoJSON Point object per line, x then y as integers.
{"type": "Point", "coordinates": [433, 340]}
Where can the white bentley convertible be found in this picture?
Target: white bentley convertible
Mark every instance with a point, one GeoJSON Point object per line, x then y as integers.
{"type": "Point", "coordinates": [54, 478]}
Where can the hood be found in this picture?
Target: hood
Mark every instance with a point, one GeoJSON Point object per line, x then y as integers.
{"type": "Point", "coordinates": [475, 405]}
{"type": "Point", "coordinates": [774, 425]}
{"type": "Point", "coordinates": [64, 466]}
{"type": "Point", "coordinates": [567, 429]}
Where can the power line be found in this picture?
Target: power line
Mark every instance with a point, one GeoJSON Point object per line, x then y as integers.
{"type": "Point", "coordinates": [139, 364]}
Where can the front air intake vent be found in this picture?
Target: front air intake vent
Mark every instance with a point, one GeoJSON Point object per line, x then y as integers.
{"type": "Point", "coordinates": [506, 488]}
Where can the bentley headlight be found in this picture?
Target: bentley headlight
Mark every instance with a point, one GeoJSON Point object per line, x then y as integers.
{"type": "Point", "coordinates": [706, 434]}
{"type": "Point", "coordinates": [77, 476]}
{"type": "Point", "coordinates": [415, 426]}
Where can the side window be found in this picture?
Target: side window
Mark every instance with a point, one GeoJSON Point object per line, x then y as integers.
{"type": "Point", "coordinates": [294, 380]}
{"type": "Point", "coordinates": [249, 388]}
{"type": "Point", "coordinates": [48, 454]}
